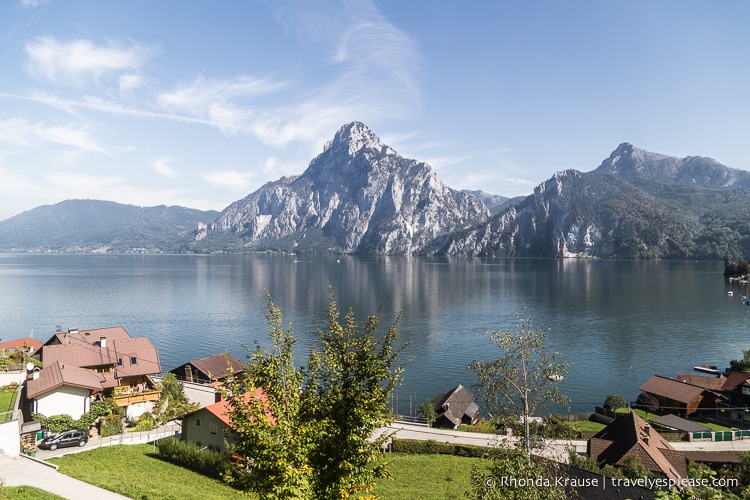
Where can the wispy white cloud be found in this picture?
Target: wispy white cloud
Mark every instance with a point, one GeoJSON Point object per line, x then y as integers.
{"type": "Point", "coordinates": [131, 81]}
{"type": "Point", "coordinates": [19, 131]}
{"type": "Point", "coordinates": [232, 180]}
{"type": "Point", "coordinates": [224, 103]}
{"type": "Point", "coordinates": [76, 61]}
{"type": "Point", "coordinates": [163, 167]}
{"type": "Point", "coordinates": [34, 3]}
{"type": "Point", "coordinates": [372, 73]}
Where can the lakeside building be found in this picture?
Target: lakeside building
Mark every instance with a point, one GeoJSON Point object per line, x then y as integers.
{"type": "Point", "coordinates": [81, 366]}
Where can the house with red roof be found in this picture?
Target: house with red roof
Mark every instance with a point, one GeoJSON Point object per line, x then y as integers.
{"type": "Point", "coordinates": [80, 366]}
{"type": "Point", "coordinates": [211, 427]}
{"type": "Point", "coordinates": [27, 345]}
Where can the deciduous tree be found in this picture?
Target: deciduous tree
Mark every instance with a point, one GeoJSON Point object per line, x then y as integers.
{"type": "Point", "coordinates": [308, 433]}
{"type": "Point", "coordinates": [524, 379]}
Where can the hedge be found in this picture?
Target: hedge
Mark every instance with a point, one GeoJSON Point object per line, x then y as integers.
{"type": "Point", "coordinates": [207, 462]}
{"type": "Point", "coordinates": [431, 447]}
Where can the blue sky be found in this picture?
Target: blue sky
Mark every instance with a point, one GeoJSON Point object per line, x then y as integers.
{"type": "Point", "coordinates": [200, 103]}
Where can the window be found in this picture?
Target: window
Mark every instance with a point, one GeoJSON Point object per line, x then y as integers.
{"type": "Point", "coordinates": [119, 361]}
{"type": "Point", "coordinates": [198, 422]}
{"type": "Point", "coordinates": [214, 429]}
{"type": "Point", "coordinates": [133, 360]}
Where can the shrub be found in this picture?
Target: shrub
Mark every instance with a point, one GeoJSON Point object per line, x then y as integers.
{"type": "Point", "coordinates": [431, 447]}
{"type": "Point", "coordinates": [208, 462]}
{"type": "Point", "coordinates": [112, 425]}
{"type": "Point", "coordinates": [145, 422]}
{"type": "Point", "coordinates": [55, 423]}
{"type": "Point", "coordinates": [614, 402]}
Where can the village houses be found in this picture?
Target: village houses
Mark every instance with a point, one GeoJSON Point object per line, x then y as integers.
{"type": "Point", "coordinates": [81, 366]}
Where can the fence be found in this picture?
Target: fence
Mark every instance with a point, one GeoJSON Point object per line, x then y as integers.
{"type": "Point", "coordinates": [720, 436]}
{"type": "Point", "coordinates": [137, 437]}
{"type": "Point", "coordinates": [407, 419]}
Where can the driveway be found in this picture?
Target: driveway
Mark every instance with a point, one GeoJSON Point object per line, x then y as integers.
{"type": "Point", "coordinates": [25, 471]}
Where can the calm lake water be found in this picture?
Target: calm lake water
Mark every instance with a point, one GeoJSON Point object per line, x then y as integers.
{"type": "Point", "coordinates": [617, 322]}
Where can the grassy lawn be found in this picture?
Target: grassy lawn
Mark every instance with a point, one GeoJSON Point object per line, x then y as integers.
{"type": "Point", "coordinates": [7, 402]}
{"type": "Point", "coordinates": [483, 425]}
{"type": "Point", "coordinates": [26, 493]}
{"type": "Point", "coordinates": [134, 471]}
{"type": "Point", "coordinates": [586, 426]}
{"type": "Point", "coordinates": [426, 476]}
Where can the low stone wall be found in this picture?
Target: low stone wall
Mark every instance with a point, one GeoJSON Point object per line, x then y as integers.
{"type": "Point", "coordinates": [10, 377]}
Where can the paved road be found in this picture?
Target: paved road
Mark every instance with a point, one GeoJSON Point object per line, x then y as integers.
{"type": "Point", "coordinates": [16, 471]}
{"type": "Point", "coordinates": [556, 449]}
{"type": "Point", "coordinates": [25, 471]}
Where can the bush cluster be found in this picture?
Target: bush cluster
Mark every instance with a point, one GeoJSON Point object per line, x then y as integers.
{"type": "Point", "coordinates": [111, 426]}
{"type": "Point", "coordinates": [431, 447]}
{"type": "Point", "coordinates": [208, 462]}
{"type": "Point", "coordinates": [60, 423]}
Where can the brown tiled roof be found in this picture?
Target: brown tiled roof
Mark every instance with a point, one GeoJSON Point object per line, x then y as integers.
{"type": "Point", "coordinates": [83, 348]}
{"type": "Point", "coordinates": [88, 336]}
{"type": "Point", "coordinates": [710, 383]}
{"type": "Point", "coordinates": [734, 380]}
{"type": "Point", "coordinates": [631, 435]}
{"type": "Point", "coordinates": [219, 366]}
{"type": "Point", "coordinates": [712, 457]}
{"type": "Point", "coordinates": [139, 357]}
{"type": "Point", "coordinates": [672, 389]}
{"type": "Point", "coordinates": [34, 344]}
{"type": "Point", "coordinates": [454, 404]}
{"type": "Point", "coordinates": [78, 354]}
{"type": "Point", "coordinates": [56, 375]}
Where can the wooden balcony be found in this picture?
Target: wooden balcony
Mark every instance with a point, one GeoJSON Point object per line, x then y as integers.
{"type": "Point", "coordinates": [129, 398]}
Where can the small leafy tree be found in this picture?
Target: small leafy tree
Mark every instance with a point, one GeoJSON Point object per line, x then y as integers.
{"type": "Point", "coordinates": [633, 468]}
{"type": "Point", "coordinates": [272, 438]}
{"type": "Point", "coordinates": [615, 402]}
{"type": "Point", "coordinates": [524, 379]}
{"type": "Point", "coordinates": [741, 365]}
{"type": "Point", "coordinates": [172, 401]}
{"type": "Point", "coordinates": [647, 402]}
{"type": "Point", "coordinates": [427, 411]}
{"type": "Point", "coordinates": [349, 382]}
{"type": "Point", "coordinates": [509, 465]}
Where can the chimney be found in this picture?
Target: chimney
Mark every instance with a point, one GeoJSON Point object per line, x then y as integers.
{"type": "Point", "coordinates": [647, 428]}
{"type": "Point", "coordinates": [103, 342]}
{"type": "Point", "coordinates": [35, 375]}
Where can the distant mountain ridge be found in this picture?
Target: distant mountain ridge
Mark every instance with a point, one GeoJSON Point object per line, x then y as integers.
{"type": "Point", "coordinates": [633, 163]}
{"type": "Point", "coordinates": [100, 226]}
{"type": "Point", "coordinates": [636, 204]}
{"type": "Point", "coordinates": [360, 197]}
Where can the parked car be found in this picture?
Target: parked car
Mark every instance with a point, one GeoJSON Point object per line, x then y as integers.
{"type": "Point", "coordinates": [537, 442]}
{"type": "Point", "coordinates": [75, 437]}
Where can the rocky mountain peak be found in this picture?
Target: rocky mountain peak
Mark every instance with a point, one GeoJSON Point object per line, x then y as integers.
{"type": "Point", "coordinates": [354, 138]}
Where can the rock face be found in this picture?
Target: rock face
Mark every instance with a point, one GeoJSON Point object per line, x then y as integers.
{"type": "Point", "coordinates": [633, 163]}
{"type": "Point", "coordinates": [636, 204]}
{"type": "Point", "coordinates": [358, 196]}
